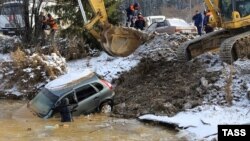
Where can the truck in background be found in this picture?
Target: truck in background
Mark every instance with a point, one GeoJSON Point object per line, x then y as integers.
{"type": "Point", "coordinates": [12, 16]}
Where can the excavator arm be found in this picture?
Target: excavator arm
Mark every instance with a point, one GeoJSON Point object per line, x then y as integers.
{"type": "Point", "coordinates": [213, 7]}
{"type": "Point", "coordinates": [115, 40]}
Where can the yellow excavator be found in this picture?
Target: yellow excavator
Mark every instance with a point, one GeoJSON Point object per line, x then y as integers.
{"type": "Point", "coordinates": [115, 40]}
{"type": "Point", "coordinates": [233, 41]}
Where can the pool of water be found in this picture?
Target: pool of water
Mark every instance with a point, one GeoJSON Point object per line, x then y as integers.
{"type": "Point", "coordinates": [18, 124]}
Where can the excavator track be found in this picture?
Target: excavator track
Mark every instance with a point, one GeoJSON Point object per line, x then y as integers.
{"type": "Point", "coordinates": [232, 44]}
{"type": "Point", "coordinates": [235, 47]}
{"type": "Point", "coordinates": [202, 44]}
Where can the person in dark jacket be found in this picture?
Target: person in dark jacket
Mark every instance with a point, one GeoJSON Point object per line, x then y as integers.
{"type": "Point", "coordinates": [131, 13]}
{"type": "Point", "coordinates": [206, 25]}
{"type": "Point", "coordinates": [197, 18]}
{"type": "Point", "coordinates": [65, 110]}
{"type": "Point", "coordinates": [140, 23]}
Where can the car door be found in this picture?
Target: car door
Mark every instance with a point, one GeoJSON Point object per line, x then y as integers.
{"type": "Point", "coordinates": [87, 99]}
{"type": "Point", "coordinates": [72, 103]}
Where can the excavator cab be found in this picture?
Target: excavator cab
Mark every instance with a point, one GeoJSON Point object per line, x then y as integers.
{"type": "Point", "coordinates": [115, 40]}
{"type": "Point", "coordinates": [230, 8]}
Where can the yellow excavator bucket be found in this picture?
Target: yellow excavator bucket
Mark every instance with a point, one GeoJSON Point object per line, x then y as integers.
{"type": "Point", "coordinates": [122, 41]}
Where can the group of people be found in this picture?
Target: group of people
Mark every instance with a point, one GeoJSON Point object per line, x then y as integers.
{"type": "Point", "coordinates": [202, 21]}
{"type": "Point", "coordinates": [134, 17]}
{"type": "Point", "coordinates": [47, 23]}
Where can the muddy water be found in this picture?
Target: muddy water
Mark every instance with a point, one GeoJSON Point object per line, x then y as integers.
{"type": "Point", "coordinates": [17, 124]}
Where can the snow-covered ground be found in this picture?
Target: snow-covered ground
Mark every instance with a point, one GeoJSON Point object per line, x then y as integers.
{"type": "Point", "coordinates": [107, 66]}
{"type": "Point", "coordinates": [4, 57]}
{"type": "Point", "coordinates": [201, 122]}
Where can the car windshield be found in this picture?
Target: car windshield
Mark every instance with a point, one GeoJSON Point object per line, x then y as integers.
{"type": "Point", "coordinates": [178, 22]}
{"type": "Point", "coordinates": [43, 102]}
{"type": "Point", "coordinates": [11, 9]}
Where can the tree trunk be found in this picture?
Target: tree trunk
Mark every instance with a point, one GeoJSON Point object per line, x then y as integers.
{"type": "Point", "coordinates": [28, 31]}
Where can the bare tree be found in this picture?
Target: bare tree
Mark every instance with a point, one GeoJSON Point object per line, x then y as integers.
{"type": "Point", "coordinates": [27, 33]}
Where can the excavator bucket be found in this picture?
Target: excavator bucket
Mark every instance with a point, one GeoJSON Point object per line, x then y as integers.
{"type": "Point", "coordinates": [122, 41]}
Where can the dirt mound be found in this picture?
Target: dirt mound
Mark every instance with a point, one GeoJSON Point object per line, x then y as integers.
{"type": "Point", "coordinates": [159, 87]}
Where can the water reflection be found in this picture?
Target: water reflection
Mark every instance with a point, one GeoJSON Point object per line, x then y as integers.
{"type": "Point", "coordinates": [18, 124]}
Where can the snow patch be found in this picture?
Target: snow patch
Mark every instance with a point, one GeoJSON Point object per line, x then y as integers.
{"type": "Point", "coordinates": [203, 120]}
{"type": "Point", "coordinates": [107, 66]}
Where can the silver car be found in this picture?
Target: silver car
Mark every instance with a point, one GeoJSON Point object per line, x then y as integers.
{"type": "Point", "coordinates": [88, 93]}
{"type": "Point", "coordinates": [171, 26]}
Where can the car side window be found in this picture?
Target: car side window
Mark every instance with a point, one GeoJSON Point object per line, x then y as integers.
{"type": "Point", "coordinates": [166, 23]}
{"type": "Point", "coordinates": [84, 92]}
{"type": "Point", "coordinates": [98, 86]}
{"type": "Point", "coordinates": [160, 24]}
{"type": "Point", "coordinates": [71, 98]}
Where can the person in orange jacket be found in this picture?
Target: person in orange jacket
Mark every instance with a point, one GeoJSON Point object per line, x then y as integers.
{"type": "Point", "coordinates": [131, 14]}
{"type": "Point", "coordinates": [53, 27]}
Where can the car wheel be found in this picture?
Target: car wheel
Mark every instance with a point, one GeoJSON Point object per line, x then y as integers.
{"type": "Point", "coordinates": [105, 107]}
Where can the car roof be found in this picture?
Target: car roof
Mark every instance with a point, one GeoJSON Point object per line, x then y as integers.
{"type": "Point", "coordinates": [177, 22]}
{"type": "Point", "coordinates": [69, 81]}
{"type": "Point", "coordinates": [156, 16]}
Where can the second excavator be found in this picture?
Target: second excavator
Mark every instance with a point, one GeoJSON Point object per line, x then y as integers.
{"type": "Point", "coordinates": [115, 40]}
{"type": "Point", "coordinates": [233, 41]}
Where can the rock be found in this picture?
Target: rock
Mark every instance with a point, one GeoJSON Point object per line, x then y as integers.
{"type": "Point", "coordinates": [243, 66]}
{"type": "Point", "coordinates": [168, 105]}
{"type": "Point", "coordinates": [204, 82]}
{"type": "Point", "coordinates": [214, 79]}
{"type": "Point", "coordinates": [187, 106]}
{"type": "Point", "coordinates": [248, 95]}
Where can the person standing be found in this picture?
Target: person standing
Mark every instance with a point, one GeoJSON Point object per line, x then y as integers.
{"type": "Point", "coordinates": [65, 111]}
{"type": "Point", "coordinates": [42, 26]}
{"type": "Point", "coordinates": [197, 18]}
{"type": "Point", "coordinates": [207, 27]}
{"type": "Point", "coordinates": [53, 27]}
{"type": "Point", "coordinates": [140, 23]}
{"type": "Point", "coordinates": [132, 11]}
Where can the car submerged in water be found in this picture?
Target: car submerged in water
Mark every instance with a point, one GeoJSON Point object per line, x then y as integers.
{"type": "Point", "coordinates": [87, 92]}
